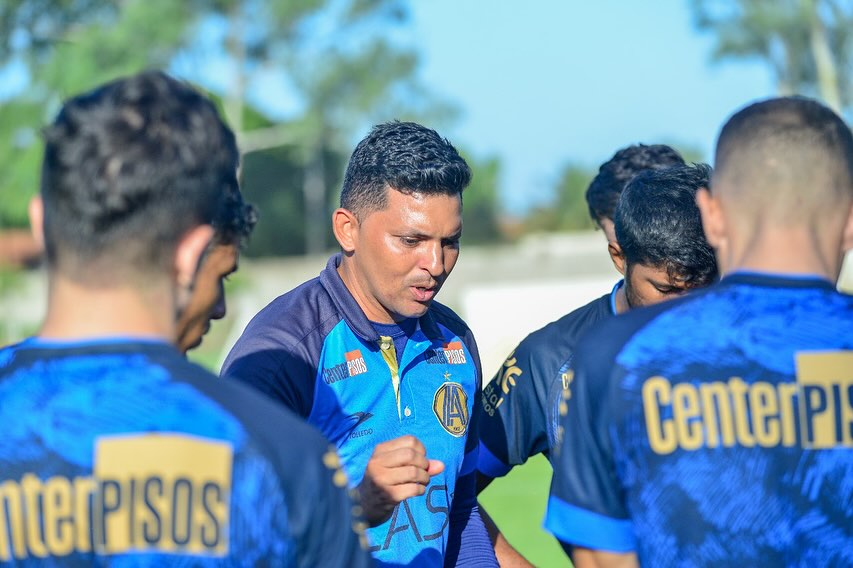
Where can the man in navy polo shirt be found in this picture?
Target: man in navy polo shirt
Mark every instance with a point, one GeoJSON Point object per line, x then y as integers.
{"type": "Point", "coordinates": [365, 354]}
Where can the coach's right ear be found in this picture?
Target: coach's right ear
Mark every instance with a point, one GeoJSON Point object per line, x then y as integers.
{"type": "Point", "coordinates": [345, 227]}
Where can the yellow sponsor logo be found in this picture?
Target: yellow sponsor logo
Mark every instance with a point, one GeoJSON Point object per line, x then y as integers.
{"type": "Point", "coordinates": [496, 391]}
{"type": "Point", "coordinates": [166, 493]}
{"type": "Point", "coordinates": [814, 412]}
{"type": "Point", "coordinates": [451, 408]}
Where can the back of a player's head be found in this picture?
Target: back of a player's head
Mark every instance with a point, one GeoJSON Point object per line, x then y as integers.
{"type": "Point", "coordinates": [658, 224]}
{"type": "Point", "coordinates": [603, 192]}
{"type": "Point", "coordinates": [128, 169]}
{"type": "Point", "coordinates": [786, 160]}
{"type": "Point", "coordinates": [403, 156]}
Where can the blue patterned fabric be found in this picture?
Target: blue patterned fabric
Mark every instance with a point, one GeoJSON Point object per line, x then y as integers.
{"type": "Point", "coordinates": [716, 430]}
{"type": "Point", "coordinates": [122, 453]}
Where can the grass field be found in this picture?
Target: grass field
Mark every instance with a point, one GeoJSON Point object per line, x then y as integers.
{"type": "Point", "coordinates": [517, 505]}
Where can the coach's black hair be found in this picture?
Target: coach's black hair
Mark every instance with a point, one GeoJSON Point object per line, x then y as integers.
{"type": "Point", "coordinates": [603, 192]}
{"type": "Point", "coordinates": [130, 167]}
{"type": "Point", "coordinates": [658, 224]}
{"type": "Point", "coordinates": [403, 156]}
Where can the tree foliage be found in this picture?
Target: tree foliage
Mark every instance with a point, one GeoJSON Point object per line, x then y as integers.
{"type": "Point", "coordinates": [338, 60]}
{"type": "Point", "coordinates": [808, 44]}
{"type": "Point", "coordinates": [480, 210]}
{"type": "Point", "coordinates": [567, 209]}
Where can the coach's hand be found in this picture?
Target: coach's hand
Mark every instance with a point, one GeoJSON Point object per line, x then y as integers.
{"type": "Point", "coordinates": [397, 470]}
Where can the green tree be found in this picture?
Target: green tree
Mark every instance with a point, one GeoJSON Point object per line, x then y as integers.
{"type": "Point", "coordinates": [327, 54]}
{"type": "Point", "coordinates": [481, 209]}
{"type": "Point", "coordinates": [567, 210]}
{"type": "Point", "coordinates": [806, 43]}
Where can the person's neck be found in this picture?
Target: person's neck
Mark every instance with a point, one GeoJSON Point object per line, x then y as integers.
{"type": "Point", "coordinates": [77, 311]}
{"type": "Point", "coordinates": [622, 300]}
{"type": "Point", "coordinates": [372, 309]}
{"type": "Point", "coordinates": [785, 250]}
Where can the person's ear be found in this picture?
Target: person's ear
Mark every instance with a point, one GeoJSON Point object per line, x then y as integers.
{"type": "Point", "coordinates": [36, 213]}
{"type": "Point", "coordinates": [847, 235]}
{"type": "Point", "coordinates": [713, 220]}
{"type": "Point", "coordinates": [188, 254]}
{"type": "Point", "coordinates": [617, 256]}
{"type": "Point", "coordinates": [345, 226]}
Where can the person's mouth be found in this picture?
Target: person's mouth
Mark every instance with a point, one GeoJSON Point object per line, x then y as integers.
{"type": "Point", "coordinates": [424, 293]}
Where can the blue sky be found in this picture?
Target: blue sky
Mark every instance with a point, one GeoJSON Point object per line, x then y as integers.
{"type": "Point", "coordinates": [544, 82]}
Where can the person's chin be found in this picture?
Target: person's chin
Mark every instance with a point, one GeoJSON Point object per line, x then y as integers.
{"type": "Point", "coordinates": [189, 345]}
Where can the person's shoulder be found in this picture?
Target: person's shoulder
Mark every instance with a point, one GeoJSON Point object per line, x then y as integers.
{"type": "Point", "coordinates": [7, 354]}
{"type": "Point", "coordinates": [445, 316]}
{"type": "Point", "coordinates": [267, 423]}
{"type": "Point", "coordinates": [289, 318]}
{"type": "Point", "coordinates": [573, 324]}
{"type": "Point", "coordinates": [607, 337]}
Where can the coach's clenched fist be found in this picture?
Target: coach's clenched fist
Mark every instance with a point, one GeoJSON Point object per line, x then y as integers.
{"type": "Point", "coordinates": [397, 470]}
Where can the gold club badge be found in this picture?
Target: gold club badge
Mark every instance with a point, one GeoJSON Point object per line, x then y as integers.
{"type": "Point", "coordinates": [451, 408]}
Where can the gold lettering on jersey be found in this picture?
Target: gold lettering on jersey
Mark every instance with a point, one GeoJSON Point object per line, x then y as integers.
{"type": "Point", "coordinates": [826, 401]}
{"type": "Point", "coordinates": [815, 412]}
{"type": "Point", "coordinates": [501, 385]}
{"type": "Point", "coordinates": [450, 405]}
{"type": "Point", "coordinates": [164, 493]}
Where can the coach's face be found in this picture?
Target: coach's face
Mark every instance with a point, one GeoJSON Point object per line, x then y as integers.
{"type": "Point", "coordinates": [397, 258]}
{"type": "Point", "coordinates": [207, 301]}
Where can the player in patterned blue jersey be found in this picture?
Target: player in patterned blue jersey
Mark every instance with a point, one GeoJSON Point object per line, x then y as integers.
{"type": "Point", "coordinates": [115, 449]}
{"type": "Point", "coordinates": [521, 402]}
{"type": "Point", "coordinates": [717, 429]}
{"type": "Point", "coordinates": [363, 353]}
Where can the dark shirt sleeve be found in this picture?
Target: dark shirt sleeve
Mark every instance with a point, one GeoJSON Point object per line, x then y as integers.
{"type": "Point", "coordinates": [515, 417]}
{"type": "Point", "coordinates": [586, 506]}
{"type": "Point", "coordinates": [282, 371]}
{"type": "Point", "coordinates": [333, 534]}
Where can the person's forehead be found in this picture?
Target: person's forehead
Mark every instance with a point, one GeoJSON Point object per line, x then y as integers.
{"type": "Point", "coordinates": [655, 274]}
{"type": "Point", "coordinates": [418, 208]}
{"type": "Point", "coordinates": [224, 256]}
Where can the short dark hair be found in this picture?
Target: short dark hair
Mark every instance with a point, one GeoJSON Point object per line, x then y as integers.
{"type": "Point", "coordinates": [403, 156]}
{"type": "Point", "coordinates": [234, 221]}
{"type": "Point", "coordinates": [789, 159]}
{"type": "Point", "coordinates": [658, 224]}
{"type": "Point", "coordinates": [603, 192]}
{"type": "Point", "coordinates": [130, 167]}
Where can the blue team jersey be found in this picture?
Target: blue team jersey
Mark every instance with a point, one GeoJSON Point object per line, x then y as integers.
{"type": "Point", "coordinates": [714, 430]}
{"type": "Point", "coordinates": [521, 403]}
{"type": "Point", "coordinates": [314, 350]}
{"type": "Point", "coordinates": [121, 453]}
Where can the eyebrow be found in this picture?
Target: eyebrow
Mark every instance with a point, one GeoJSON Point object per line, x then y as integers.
{"type": "Point", "coordinates": [665, 285]}
{"type": "Point", "coordinates": [420, 235]}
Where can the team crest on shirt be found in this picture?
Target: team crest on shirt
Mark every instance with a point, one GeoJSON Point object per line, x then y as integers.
{"type": "Point", "coordinates": [451, 408]}
{"type": "Point", "coordinates": [450, 353]}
